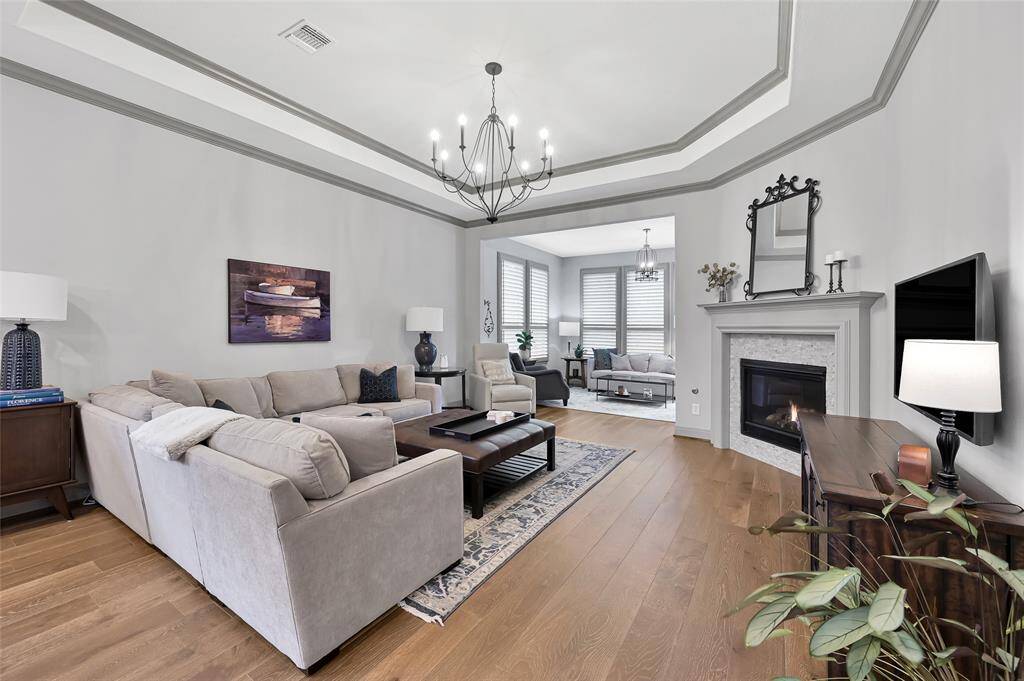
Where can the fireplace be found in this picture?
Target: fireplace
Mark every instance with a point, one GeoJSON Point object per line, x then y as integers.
{"type": "Point", "coordinates": [773, 393]}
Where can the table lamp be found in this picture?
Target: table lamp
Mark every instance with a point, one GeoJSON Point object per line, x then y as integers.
{"type": "Point", "coordinates": [425, 320]}
{"type": "Point", "coordinates": [28, 298]}
{"type": "Point", "coordinates": [569, 330]}
{"type": "Point", "coordinates": [952, 376]}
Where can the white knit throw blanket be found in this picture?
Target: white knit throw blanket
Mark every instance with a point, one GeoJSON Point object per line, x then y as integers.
{"type": "Point", "coordinates": [169, 436]}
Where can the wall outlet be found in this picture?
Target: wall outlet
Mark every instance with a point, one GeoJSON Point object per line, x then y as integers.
{"type": "Point", "coordinates": [695, 409]}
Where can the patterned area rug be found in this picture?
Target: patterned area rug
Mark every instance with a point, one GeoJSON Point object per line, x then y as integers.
{"type": "Point", "coordinates": [584, 400]}
{"type": "Point", "coordinates": [511, 519]}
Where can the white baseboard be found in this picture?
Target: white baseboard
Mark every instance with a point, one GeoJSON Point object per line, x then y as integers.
{"type": "Point", "coordinates": [697, 433]}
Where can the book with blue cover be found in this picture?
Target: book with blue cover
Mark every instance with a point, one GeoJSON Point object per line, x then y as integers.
{"type": "Point", "coordinates": [44, 391]}
{"type": "Point", "coordinates": [30, 396]}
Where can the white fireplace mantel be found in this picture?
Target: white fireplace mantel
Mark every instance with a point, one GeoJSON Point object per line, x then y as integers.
{"type": "Point", "coordinates": [843, 316]}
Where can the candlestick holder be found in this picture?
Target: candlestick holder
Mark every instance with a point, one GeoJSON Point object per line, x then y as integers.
{"type": "Point", "coordinates": [831, 283]}
{"type": "Point", "coordinates": [839, 287]}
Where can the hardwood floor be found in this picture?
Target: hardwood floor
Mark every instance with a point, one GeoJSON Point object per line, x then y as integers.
{"type": "Point", "coordinates": [630, 583]}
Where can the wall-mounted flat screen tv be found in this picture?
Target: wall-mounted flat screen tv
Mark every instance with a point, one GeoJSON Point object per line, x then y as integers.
{"type": "Point", "coordinates": [950, 302]}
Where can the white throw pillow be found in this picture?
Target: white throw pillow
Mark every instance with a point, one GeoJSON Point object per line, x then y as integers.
{"type": "Point", "coordinates": [620, 362]}
{"type": "Point", "coordinates": [499, 371]}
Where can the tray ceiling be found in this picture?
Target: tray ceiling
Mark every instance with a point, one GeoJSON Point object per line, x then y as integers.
{"type": "Point", "coordinates": [638, 96]}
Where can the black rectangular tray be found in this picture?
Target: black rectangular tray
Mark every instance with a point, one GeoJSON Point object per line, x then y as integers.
{"type": "Point", "coordinates": [474, 426]}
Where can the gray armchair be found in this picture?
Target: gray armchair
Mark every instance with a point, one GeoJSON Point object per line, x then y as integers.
{"type": "Point", "coordinates": [550, 383]}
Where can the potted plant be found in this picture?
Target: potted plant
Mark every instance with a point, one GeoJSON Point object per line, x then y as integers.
{"type": "Point", "coordinates": [719, 277]}
{"type": "Point", "coordinates": [525, 340]}
{"type": "Point", "coordinates": [578, 351]}
{"type": "Point", "coordinates": [882, 628]}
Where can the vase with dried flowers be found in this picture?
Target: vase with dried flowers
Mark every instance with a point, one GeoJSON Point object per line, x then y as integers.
{"type": "Point", "coordinates": [719, 277]}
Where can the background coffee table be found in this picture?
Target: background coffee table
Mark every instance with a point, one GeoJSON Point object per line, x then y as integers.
{"type": "Point", "coordinates": [494, 461]}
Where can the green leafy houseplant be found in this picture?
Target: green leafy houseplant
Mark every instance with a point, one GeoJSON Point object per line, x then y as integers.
{"type": "Point", "coordinates": [578, 351]}
{"type": "Point", "coordinates": [881, 630]}
{"type": "Point", "coordinates": [525, 340]}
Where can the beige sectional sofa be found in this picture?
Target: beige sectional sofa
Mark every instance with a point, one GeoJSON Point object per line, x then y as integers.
{"type": "Point", "coordinates": [306, 572]}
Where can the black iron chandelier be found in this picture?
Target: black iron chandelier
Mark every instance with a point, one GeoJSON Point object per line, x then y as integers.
{"type": "Point", "coordinates": [490, 179]}
{"type": "Point", "coordinates": [646, 261]}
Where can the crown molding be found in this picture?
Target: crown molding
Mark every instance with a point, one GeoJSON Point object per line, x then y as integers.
{"type": "Point", "coordinates": [47, 81]}
{"type": "Point", "coordinates": [913, 26]}
{"type": "Point", "coordinates": [122, 28]}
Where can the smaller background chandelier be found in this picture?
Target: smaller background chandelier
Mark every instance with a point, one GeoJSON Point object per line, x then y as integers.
{"type": "Point", "coordinates": [491, 179]}
{"type": "Point", "coordinates": [647, 261]}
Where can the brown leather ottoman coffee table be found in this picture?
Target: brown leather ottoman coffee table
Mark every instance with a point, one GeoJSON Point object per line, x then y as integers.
{"type": "Point", "coordinates": [495, 460]}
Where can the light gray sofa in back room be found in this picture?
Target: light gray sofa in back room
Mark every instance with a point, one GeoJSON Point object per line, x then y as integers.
{"type": "Point", "coordinates": [644, 366]}
{"type": "Point", "coordinates": [306, 570]}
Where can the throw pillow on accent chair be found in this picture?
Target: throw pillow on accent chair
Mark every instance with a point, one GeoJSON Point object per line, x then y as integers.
{"type": "Point", "coordinates": [498, 371]}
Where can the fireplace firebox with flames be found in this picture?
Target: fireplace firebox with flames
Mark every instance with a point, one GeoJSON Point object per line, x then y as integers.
{"type": "Point", "coordinates": [772, 394]}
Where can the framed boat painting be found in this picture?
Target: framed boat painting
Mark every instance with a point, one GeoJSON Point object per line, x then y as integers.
{"type": "Point", "coordinates": [275, 303]}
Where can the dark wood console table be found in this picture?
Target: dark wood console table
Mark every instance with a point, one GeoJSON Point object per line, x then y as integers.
{"type": "Point", "coordinates": [839, 455]}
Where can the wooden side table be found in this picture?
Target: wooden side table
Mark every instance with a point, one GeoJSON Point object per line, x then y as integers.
{"type": "Point", "coordinates": [581, 376]}
{"type": "Point", "coordinates": [450, 372]}
{"type": "Point", "coordinates": [38, 445]}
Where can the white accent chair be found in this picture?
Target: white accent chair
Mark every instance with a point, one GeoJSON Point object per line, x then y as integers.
{"type": "Point", "coordinates": [484, 395]}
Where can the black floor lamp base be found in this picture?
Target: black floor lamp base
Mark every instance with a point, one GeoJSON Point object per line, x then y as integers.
{"type": "Point", "coordinates": [22, 359]}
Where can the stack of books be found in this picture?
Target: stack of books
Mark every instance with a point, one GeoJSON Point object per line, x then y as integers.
{"type": "Point", "coordinates": [47, 394]}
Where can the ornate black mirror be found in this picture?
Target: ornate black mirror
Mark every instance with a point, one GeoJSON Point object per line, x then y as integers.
{"type": "Point", "coordinates": [780, 238]}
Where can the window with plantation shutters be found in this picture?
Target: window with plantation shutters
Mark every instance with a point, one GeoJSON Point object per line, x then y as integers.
{"type": "Point", "coordinates": [537, 309]}
{"type": "Point", "coordinates": [619, 312]}
{"type": "Point", "coordinates": [599, 309]}
{"type": "Point", "coordinates": [645, 313]}
{"type": "Point", "coordinates": [523, 303]}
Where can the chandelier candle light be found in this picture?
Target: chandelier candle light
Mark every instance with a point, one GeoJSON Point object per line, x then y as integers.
{"type": "Point", "coordinates": [491, 179]}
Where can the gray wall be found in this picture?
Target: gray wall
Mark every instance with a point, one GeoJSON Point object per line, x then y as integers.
{"type": "Point", "coordinates": [141, 221]}
{"type": "Point", "coordinates": [489, 251]}
{"type": "Point", "coordinates": [936, 175]}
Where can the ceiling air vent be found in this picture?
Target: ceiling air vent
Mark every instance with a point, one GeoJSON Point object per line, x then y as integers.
{"type": "Point", "coordinates": [308, 37]}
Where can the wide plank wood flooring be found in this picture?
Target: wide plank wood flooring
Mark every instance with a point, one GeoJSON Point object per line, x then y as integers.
{"type": "Point", "coordinates": [630, 583]}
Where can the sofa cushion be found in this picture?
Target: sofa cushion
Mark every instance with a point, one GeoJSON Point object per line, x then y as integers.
{"type": "Point", "coordinates": [600, 373]}
{"type": "Point", "coordinates": [620, 362]}
{"type": "Point", "coordinates": [510, 393]}
{"type": "Point", "coordinates": [298, 391]}
{"type": "Point", "coordinates": [309, 457]}
{"type": "Point", "coordinates": [349, 374]}
{"type": "Point", "coordinates": [264, 395]}
{"type": "Point", "coordinates": [403, 410]}
{"type": "Point", "coordinates": [236, 392]}
{"type": "Point", "coordinates": [368, 443]}
{"type": "Point", "coordinates": [603, 358]}
{"type": "Point", "coordinates": [657, 377]}
{"type": "Point", "coordinates": [662, 363]}
{"type": "Point", "coordinates": [498, 371]}
{"type": "Point", "coordinates": [347, 410]}
{"type": "Point", "coordinates": [125, 400]}
{"type": "Point", "coordinates": [382, 387]}
{"type": "Point", "coordinates": [180, 388]}
{"type": "Point", "coordinates": [166, 408]}
{"type": "Point", "coordinates": [639, 361]}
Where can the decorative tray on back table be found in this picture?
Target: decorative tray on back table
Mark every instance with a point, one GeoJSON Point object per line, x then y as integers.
{"type": "Point", "coordinates": [474, 426]}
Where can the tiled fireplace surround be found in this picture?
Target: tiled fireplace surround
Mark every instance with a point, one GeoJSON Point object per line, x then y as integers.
{"type": "Point", "coordinates": [822, 330]}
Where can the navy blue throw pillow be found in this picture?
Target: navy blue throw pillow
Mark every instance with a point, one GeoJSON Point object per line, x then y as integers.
{"type": "Point", "coordinates": [381, 387]}
{"type": "Point", "coordinates": [220, 404]}
{"type": "Point", "coordinates": [603, 358]}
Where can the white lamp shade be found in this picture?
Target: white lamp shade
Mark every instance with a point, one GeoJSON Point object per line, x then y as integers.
{"type": "Point", "coordinates": [951, 375]}
{"type": "Point", "coordinates": [569, 329]}
{"type": "Point", "coordinates": [33, 297]}
{"type": "Point", "coordinates": [424, 319]}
